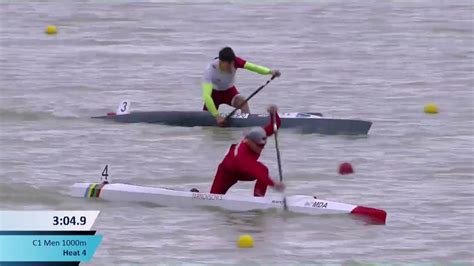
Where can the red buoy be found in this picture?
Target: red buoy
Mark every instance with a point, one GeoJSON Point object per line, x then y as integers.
{"type": "Point", "coordinates": [345, 169]}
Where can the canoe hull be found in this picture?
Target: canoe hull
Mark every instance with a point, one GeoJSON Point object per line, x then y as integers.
{"type": "Point", "coordinates": [168, 197]}
{"type": "Point", "coordinates": [304, 122]}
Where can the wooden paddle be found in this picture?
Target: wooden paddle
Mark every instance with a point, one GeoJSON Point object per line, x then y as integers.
{"type": "Point", "coordinates": [248, 98]}
{"type": "Point", "coordinates": [275, 132]}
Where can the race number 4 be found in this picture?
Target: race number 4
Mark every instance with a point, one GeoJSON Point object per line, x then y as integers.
{"type": "Point", "coordinates": [105, 175]}
{"type": "Point", "coordinates": [123, 108]}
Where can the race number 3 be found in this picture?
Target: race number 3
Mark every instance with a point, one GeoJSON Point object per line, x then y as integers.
{"type": "Point", "coordinates": [123, 108]}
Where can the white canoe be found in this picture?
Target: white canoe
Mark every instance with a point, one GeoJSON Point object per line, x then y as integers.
{"type": "Point", "coordinates": [170, 197]}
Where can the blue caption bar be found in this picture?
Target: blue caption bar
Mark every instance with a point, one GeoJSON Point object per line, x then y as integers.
{"type": "Point", "coordinates": [48, 248]}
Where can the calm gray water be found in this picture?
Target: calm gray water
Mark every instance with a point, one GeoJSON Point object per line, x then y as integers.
{"type": "Point", "coordinates": [375, 60]}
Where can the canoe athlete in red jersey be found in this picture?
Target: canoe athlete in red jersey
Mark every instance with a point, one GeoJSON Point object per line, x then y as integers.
{"type": "Point", "coordinates": [241, 162]}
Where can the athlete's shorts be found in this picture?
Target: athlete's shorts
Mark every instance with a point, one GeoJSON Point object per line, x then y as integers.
{"type": "Point", "coordinates": [223, 97]}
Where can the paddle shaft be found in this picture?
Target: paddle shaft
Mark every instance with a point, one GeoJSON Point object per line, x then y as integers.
{"type": "Point", "coordinates": [280, 172]}
{"type": "Point", "coordinates": [248, 98]}
{"type": "Point", "coordinates": [275, 132]}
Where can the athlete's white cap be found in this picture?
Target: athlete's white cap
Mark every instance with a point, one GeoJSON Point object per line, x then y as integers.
{"type": "Point", "coordinates": [257, 135]}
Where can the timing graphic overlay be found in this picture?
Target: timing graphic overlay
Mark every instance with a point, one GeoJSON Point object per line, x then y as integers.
{"type": "Point", "coordinates": [47, 237]}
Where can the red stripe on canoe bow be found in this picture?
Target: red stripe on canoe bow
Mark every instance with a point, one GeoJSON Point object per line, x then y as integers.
{"type": "Point", "coordinates": [375, 215]}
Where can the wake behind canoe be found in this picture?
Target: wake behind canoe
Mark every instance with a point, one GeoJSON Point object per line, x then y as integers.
{"type": "Point", "coordinates": [304, 122]}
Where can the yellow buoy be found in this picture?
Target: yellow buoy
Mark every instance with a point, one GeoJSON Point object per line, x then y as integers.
{"type": "Point", "coordinates": [245, 241]}
{"type": "Point", "coordinates": [431, 108]}
{"type": "Point", "coordinates": [51, 29]}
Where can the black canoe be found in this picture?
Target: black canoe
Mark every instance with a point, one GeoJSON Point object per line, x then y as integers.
{"type": "Point", "coordinates": [303, 122]}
